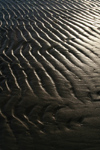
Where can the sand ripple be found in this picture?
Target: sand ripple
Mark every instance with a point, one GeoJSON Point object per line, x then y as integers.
{"type": "Point", "coordinates": [49, 63]}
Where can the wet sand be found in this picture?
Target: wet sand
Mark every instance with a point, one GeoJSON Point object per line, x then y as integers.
{"type": "Point", "coordinates": [50, 75]}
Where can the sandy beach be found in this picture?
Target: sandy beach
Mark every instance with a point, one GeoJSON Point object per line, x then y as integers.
{"type": "Point", "coordinates": [50, 75]}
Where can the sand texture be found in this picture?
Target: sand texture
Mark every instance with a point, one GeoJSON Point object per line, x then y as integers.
{"type": "Point", "coordinates": [49, 74]}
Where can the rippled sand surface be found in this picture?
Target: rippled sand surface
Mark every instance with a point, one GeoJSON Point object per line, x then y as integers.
{"type": "Point", "coordinates": [50, 75]}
